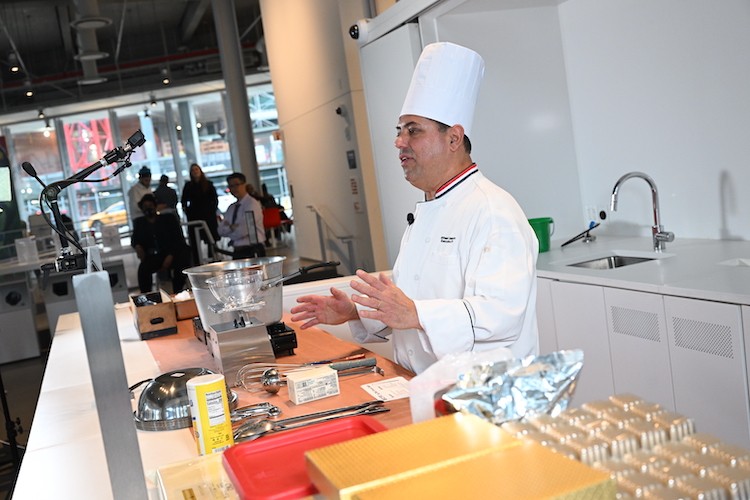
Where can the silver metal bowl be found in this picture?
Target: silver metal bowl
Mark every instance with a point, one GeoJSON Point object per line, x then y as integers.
{"type": "Point", "coordinates": [163, 404]}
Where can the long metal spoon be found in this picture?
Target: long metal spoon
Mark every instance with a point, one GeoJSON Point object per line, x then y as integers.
{"type": "Point", "coordinates": [319, 414]}
{"type": "Point", "coordinates": [258, 428]}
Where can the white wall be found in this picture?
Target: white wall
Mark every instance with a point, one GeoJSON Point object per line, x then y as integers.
{"type": "Point", "coordinates": [307, 62]}
{"type": "Point", "coordinates": [580, 92]}
{"type": "Point", "coordinates": [523, 131]}
{"type": "Point", "coordinates": [663, 86]}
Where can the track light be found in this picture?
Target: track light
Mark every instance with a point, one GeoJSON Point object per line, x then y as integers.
{"type": "Point", "coordinates": [153, 100]}
{"type": "Point", "coordinates": [13, 62]}
{"type": "Point", "coordinates": [165, 76]}
{"type": "Point", "coordinates": [47, 128]}
{"type": "Point", "coordinates": [41, 114]}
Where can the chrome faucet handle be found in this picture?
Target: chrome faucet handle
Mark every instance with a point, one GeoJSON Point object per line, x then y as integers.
{"type": "Point", "coordinates": [664, 236]}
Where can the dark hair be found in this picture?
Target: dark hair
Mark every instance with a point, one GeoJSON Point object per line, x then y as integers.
{"type": "Point", "coordinates": [236, 175]}
{"type": "Point", "coordinates": [164, 178]}
{"type": "Point", "coordinates": [202, 181]}
{"type": "Point", "coordinates": [442, 127]}
{"type": "Point", "coordinates": [147, 197]}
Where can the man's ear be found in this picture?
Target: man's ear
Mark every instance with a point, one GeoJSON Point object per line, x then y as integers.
{"type": "Point", "coordinates": [456, 134]}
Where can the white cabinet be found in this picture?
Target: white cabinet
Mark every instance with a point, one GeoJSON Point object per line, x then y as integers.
{"type": "Point", "coordinates": [638, 345]}
{"type": "Point", "coordinates": [708, 366]}
{"type": "Point", "coordinates": [580, 323]}
{"type": "Point", "coordinates": [545, 316]}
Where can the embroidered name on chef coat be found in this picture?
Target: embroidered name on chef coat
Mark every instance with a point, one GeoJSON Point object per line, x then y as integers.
{"type": "Point", "coordinates": [447, 239]}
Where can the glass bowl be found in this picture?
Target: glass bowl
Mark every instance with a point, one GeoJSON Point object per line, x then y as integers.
{"type": "Point", "coordinates": [236, 288]}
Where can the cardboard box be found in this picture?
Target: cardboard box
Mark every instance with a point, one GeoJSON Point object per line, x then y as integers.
{"type": "Point", "coordinates": [185, 309]}
{"type": "Point", "coordinates": [461, 454]}
{"type": "Point", "coordinates": [153, 314]}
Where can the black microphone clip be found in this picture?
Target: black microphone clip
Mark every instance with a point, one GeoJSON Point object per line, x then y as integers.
{"type": "Point", "coordinates": [410, 218]}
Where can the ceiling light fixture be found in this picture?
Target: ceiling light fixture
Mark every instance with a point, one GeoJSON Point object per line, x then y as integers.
{"type": "Point", "coordinates": [13, 62]}
{"type": "Point", "coordinates": [41, 114]}
{"type": "Point", "coordinates": [47, 128]}
{"type": "Point", "coordinates": [153, 100]}
{"type": "Point", "coordinates": [198, 124]}
{"type": "Point", "coordinates": [178, 128]}
{"type": "Point", "coordinates": [90, 22]}
{"type": "Point", "coordinates": [165, 76]}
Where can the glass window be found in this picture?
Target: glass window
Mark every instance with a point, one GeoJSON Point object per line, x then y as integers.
{"type": "Point", "coordinates": [155, 153]}
{"type": "Point", "coordinates": [269, 150]}
{"type": "Point", "coordinates": [36, 143]}
{"type": "Point", "coordinates": [98, 201]}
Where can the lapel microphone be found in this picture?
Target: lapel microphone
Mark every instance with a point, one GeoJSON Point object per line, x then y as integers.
{"type": "Point", "coordinates": [410, 218]}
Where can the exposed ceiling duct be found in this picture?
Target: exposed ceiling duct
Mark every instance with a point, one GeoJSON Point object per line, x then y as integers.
{"type": "Point", "coordinates": [80, 50]}
{"type": "Point", "coordinates": [86, 23]}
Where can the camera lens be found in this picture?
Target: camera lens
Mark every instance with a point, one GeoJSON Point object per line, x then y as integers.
{"type": "Point", "coordinates": [354, 31]}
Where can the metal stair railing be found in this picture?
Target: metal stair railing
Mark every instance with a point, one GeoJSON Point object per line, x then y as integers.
{"type": "Point", "coordinates": [324, 224]}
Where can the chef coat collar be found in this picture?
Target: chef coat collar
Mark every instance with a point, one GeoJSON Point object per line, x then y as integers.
{"type": "Point", "coordinates": [458, 179]}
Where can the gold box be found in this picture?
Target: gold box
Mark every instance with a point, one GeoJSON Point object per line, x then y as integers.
{"type": "Point", "coordinates": [451, 457]}
{"type": "Point", "coordinates": [156, 318]}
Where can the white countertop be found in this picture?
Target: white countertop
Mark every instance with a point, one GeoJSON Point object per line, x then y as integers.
{"type": "Point", "coordinates": [65, 455]}
{"type": "Point", "coordinates": [687, 268]}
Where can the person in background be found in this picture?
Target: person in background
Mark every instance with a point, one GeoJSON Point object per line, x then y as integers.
{"type": "Point", "coordinates": [138, 190]}
{"type": "Point", "coordinates": [465, 276]}
{"type": "Point", "coordinates": [166, 197]}
{"type": "Point", "coordinates": [160, 246]}
{"type": "Point", "coordinates": [235, 225]}
{"type": "Point", "coordinates": [267, 200]}
{"type": "Point", "coordinates": [200, 202]}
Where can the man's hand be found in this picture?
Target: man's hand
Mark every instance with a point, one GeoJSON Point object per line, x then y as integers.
{"type": "Point", "coordinates": [317, 309]}
{"type": "Point", "coordinates": [390, 303]}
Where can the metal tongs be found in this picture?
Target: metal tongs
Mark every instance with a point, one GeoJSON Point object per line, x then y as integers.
{"type": "Point", "coordinates": [260, 427]}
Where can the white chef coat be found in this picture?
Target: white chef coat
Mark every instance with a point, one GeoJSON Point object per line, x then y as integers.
{"type": "Point", "coordinates": [136, 192]}
{"type": "Point", "coordinates": [468, 262]}
{"type": "Point", "coordinates": [239, 235]}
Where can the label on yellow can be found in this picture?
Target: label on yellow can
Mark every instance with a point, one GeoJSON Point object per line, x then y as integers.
{"type": "Point", "coordinates": [209, 411]}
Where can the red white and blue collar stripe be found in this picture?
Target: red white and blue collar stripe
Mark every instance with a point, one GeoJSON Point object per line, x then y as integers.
{"type": "Point", "coordinates": [458, 179]}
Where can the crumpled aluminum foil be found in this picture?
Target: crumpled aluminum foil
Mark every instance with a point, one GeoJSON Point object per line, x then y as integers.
{"type": "Point", "coordinates": [515, 389]}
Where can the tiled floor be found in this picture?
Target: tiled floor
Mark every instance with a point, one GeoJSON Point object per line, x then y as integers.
{"type": "Point", "coordinates": [22, 381]}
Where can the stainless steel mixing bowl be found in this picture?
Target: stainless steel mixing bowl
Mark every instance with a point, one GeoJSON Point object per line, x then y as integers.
{"type": "Point", "coordinates": [163, 404]}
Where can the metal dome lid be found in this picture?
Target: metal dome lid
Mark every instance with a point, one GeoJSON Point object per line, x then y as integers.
{"type": "Point", "coordinates": [164, 405]}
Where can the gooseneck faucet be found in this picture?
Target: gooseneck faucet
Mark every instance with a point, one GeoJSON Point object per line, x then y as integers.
{"type": "Point", "coordinates": [660, 236]}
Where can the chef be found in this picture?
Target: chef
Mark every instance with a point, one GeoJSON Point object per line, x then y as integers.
{"type": "Point", "coordinates": [465, 276]}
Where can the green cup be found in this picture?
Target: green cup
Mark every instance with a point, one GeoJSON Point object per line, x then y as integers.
{"type": "Point", "coordinates": [544, 227]}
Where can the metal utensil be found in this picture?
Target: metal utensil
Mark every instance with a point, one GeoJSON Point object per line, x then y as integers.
{"type": "Point", "coordinates": [264, 409]}
{"type": "Point", "coordinates": [250, 377]}
{"type": "Point", "coordinates": [257, 428]}
{"type": "Point", "coordinates": [271, 380]}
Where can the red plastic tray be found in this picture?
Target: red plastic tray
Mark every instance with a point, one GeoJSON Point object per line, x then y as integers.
{"type": "Point", "coordinates": [273, 467]}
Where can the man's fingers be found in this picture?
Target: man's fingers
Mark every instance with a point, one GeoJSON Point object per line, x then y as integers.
{"type": "Point", "coordinates": [367, 278]}
{"type": "Point", "coordinates": [385, 280]}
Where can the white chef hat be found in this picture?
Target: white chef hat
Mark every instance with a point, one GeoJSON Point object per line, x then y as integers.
{"type": "Point", "coordinates": [445, 85]}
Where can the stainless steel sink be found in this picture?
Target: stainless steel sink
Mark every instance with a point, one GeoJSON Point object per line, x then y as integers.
{"type": "Point", "coordinates": [611, 262]}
